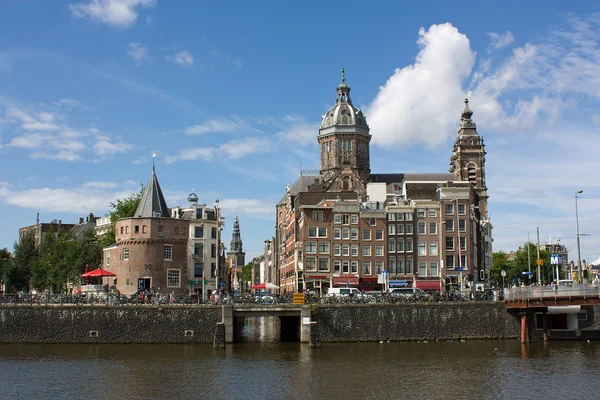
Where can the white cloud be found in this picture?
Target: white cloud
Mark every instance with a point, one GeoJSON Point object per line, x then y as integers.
{"type": "Point", "coordinates": [244, 147]}
{"type": "Point", "coordinates": [105, 147]}
{"type": "Point", "coordinates": [60, 155]}
{"type": "Point", "coordinates": [137, 52]}
{"type": "Point", "coordinates": [215, 126]}
{"type": "Point", "coordinates": [500, 40]}
{"type": "Point", "coordinates": [182, 58]}
{"type": "Point", "coordinates": [420, 103]}
{"type": "Point", "coordinates": [247, 206]}
{"type": "Point", "coordinates": [118, 13]}
{"type": "Point", "coordinates": [68, 103]}
{"type": "Point", "coordinates": [43, 123]}
{"type": "Point", "coordinates": [237, 62]}
{"type": "Point", "coordinates": [192, 154]}
{"type": "Point", "coordinates": [298, 131]}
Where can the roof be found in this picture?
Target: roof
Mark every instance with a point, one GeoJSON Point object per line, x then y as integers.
{"type": "Point", "coordinates": [301, 185]}
{"type": "Point", "coordinates": [152, 203]}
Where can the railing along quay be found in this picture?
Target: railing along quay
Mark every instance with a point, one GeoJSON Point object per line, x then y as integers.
{"type": "Point", "coordinates": [546, 295]}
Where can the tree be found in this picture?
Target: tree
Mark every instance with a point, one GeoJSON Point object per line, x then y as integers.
{"type": "Point", "coordinates": [247, 272]}
{"type": "Point", "coordinates": [5, 261]}
{"type": "Point", "coordinates": [121, 209]}
{"type": "Point", "coordinates": [500, 262]}
{"type": "Point", "coordinates": [25, 254]}
{"type": "Point", "coordinates": [90, 251]}
{"type": "Point", "coordinates": [526, 260]}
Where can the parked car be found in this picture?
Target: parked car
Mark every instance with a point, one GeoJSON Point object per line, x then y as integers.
{"type": "Point", "coordinates": [409, 291]}
{"type": "Point", "coordinates": [343, 292]}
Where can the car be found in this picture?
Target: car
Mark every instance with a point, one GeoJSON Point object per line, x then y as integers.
{"type": "Point", "coordinates": [409, 291]}
{"type": "Point", "coordinates": [343, 292]}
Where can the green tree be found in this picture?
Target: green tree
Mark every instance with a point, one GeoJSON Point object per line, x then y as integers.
{"type": "Point", "coordinates": [247, 272]}
{"type": "Point", "coordinates": [524, 261]}
{"type": "Point", "coordinates": [90, 251]}
{"type": "Point", "coordinates": [59, 262]}
{"type": "Point", "coordinates": [500, 262]}
{"type": "Point", "coordinates": [5, 262]}
{"type": "Point", "coordinates": [25, 254]}
{"type": "Point", "coordinates": [121, 209]}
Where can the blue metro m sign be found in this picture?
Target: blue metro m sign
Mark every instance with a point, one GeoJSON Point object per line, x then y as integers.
{"type": "Point", "coordinates": [555, 259]}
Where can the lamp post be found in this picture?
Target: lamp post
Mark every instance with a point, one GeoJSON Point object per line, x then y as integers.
{"type": "Point", "coordinates": [217, 212]}
{"type": "Point", "coordinates": [577, 235]}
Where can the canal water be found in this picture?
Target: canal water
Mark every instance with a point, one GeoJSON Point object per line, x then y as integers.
{"type": "Point", "coordinates": [263, 368]}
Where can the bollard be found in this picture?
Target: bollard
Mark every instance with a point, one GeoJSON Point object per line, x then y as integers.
{"type": "Point", "coordinates": [219, 341]}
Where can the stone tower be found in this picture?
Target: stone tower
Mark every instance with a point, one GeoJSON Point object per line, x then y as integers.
{"type": "Point", "coordinates": [344, 142]}
{"type": "Point", "coordinates": [468, 157]}
{"type": "Point", "coordinates": [235, 248]}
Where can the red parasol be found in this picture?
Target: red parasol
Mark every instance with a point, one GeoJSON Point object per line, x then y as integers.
{"type": "Point", "coordinates": [98, 272]}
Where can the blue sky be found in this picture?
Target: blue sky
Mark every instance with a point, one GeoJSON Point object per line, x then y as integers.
{"type": "Point", "coordinates": [230, 95]}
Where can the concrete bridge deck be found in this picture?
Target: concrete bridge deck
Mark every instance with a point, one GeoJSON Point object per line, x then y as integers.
{"type": "Point", "coordinates": [526, 297]}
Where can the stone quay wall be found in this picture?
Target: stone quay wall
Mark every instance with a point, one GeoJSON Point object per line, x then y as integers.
{"type": "Point", "coordinates": [430, 321]}
{"type": "Point", "coordinates": [105, 324]}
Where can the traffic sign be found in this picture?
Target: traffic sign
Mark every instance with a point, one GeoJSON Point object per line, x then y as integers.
{"type": "Point", "coordinates": [539, 261]}
{"type": "Point", "coordinates": [503, 273]}
{"type": "Point", "coordinates": [298, 298]}
{"type": "Point", "coordinates": [555, 259]}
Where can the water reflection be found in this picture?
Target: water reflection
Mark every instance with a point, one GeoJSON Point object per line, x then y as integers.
{"type": "Point", "coordinates": [272, 370]}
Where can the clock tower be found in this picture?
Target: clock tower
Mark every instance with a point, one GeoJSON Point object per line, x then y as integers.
{"type": "Point", "coordinates": [344, 142]}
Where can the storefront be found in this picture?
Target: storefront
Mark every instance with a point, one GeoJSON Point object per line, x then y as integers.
{"type": "Point", "coordinates": [345, 281]}
{"type": "Point", "coordinates": [317, 284]}
{"type": "Point", "coordinates": [429, 285]}
{"type": "Point", "coordinates": [369, 284]}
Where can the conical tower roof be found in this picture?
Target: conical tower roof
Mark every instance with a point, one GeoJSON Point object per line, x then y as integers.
{"type": "Point", "coordinates": [153, 202]}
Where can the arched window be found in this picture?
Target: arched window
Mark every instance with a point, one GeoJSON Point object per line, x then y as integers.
{"type": "Point", "coordinates": [346, 183]}
{"type": "Point", "coordinates": [472, 173]}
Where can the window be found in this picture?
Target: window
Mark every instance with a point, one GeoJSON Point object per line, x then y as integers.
{"type": "Point", "coordinates": [317, 216]}
{"type": "Point", "coordinates": [379, 234]}
{"type": "Point", "coordinates": [462, 225]}
{"type": "Point", "coordinates": [399, 216]}
{"type": "Point", "coordinates": [432, 212]}
{"type": "Point", "coordinates": [463, 243]}
{"type": "Point", "coordinates": [378, 266]}
{"type": "Point", "coordinates": [136, 229]}
{"type": "Point", "coordinates": [408, 245]}
{"type": "Point", "coordinates": [323, 264]}
{"type": "Point", "coordinates": [354, 267]}
{"type": "Point", "coordinates": [198, 249]}
{"type": "Point", "coordinates": [324, 247]}
{"type": "Point", "coordinates": [450, 243]}
{"type": "Point", "coordinates": [198, 213]}
{"type": "Point", "coordinates": [337, 219]}
{"type": "Point", "coordinates": [337, 250]}
{"type": "Point", "coordinates": [311, 247]}
{"type": "Point", "coordinates": [408, 217]}
{"type": "Point", "coordinates": [372, 221]}
{"type": "Point", "coordinates": [366, 267]}
{"type": "Point", "coordinates": [168, 252]}
{"type": "Point", "coordinates": [433, 248]}
{"type": "Point", "coordinates": [391, 217]}
{"type": "Point", "coordinates": [422, 248]}
{"type": "Point", "coordinates": [400, 245]}
{"type": "Point", "coordinates": [322, 232]}
{"type": "Point", "coordinates": [176, 230]}
{"type": "Point", "coordinates": [345, 233]}
{"type": "Point", "coordinates": [421, 228]}
{"type": "Point", "coordinates": [462, 209]}
{"type": "Point", "coordinates": [391, 229]}
{"type": "Point", "coordinates": [310, 264]}
{"type": "Point", "coordinates": [400, 229]}
{"type": "Point", "coordinates": [107, 258]}
{"type": "Point", "coordinates": [121, 230]}
{"type": "Point", "coordinates": [126, 254]}
{"type": "Point", "coordinates": [213, 270]}
{"type": "Point", "coordinates": [420, 213]}
{"type": "Point", "coordinates": [463, 261]}
{"type": "Point", "coordinates": [433, 269]}
{"type": "Point", "coordinates": [337, 233]}
{"type": "Point", "coordinates": [391, 245]}
{"type": "Point", "coordinates": [213, 250]}
{"type": "Point", "coordinates": [367, 250]}
{"type": "Point", "coordinates": [433, 228]}
{"type": "Point", "coordinates": [391, 265]}
{"type": "Point", "coordinates": [198, 270]}
{"type": "Point", "coordinates": [422, 269]}
{"type": "Point", "coordinates": [449, 261]}
{"type": "Point", "coordinates": [366, 234]}
{"type": "Point", "coordinates": [354, 234]}
{"type": "Point", "coordinates": [449, 225]}
{"type": "Point", "coordinates": [379, 250]}
{"type": "Point", "coordinates": [409, 264]}
{"type": "Point", "coordinates": [449, 209]}
{"type": "Point", "coordinates": [144, 228]}
{"type": "Point", "coordinates": [409, 229]}
{"type": "Point", "coordinates": [336, 266]}
{"type": "Point", "coordinates": [198, 231]}
{"type": "Point", "coordinates": [213, 233]}
{"type": "Point", "coordinates": [354, 219]}
{"type": "Point", "coordinates": [312, 231]}
{"type": "Point", "coordinates": [345, 266]}
{"type": "Point", "coordinates": [173, 276]}
{"type": "Point", "coordinates": [345, 250]}
{"type": "Point", "coordinates": [161, 230]}
{"type": "Point", "coordinates": [354, 250]}
{"type": "Point", "coordinates": [345, 219]}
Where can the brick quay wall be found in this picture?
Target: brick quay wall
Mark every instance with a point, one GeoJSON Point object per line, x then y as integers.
{"type": "Point", "coordinates": [197, 324]}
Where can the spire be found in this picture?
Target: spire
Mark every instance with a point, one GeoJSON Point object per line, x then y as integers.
{"type": "Point", "coordinates": [152, 203]}
{"type": "Point", "coordinates": [343, 90]}
{"type": "Point", "coordinates": [236, 238]}
{"type": "Point", "coordinates": [465, 119]}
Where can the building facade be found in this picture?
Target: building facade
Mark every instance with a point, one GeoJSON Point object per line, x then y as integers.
{"type": "Point", "coordinates": [348, 227]}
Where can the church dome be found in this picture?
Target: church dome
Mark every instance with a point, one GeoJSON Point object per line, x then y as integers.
{"type": "Point", "coordinates": [343, 113]}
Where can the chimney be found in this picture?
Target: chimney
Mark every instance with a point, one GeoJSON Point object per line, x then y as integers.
{"type": "Point", "coordinates": [81, 220]}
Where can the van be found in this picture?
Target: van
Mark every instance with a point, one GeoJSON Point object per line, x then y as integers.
{"type": "Point", "coordinates": [408, 291]}
{"type": "Point", "coordinates": [343, 292]}
{"type": "Point", "coordinates": [565, 282]}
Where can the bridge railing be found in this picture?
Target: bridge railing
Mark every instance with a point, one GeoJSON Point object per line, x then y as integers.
{"type": "Point", "coordinates": [527, 293]}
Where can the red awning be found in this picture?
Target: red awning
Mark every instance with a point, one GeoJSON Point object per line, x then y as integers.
{"type": "Point", "coordinates": [345, 280]}
{"type": "Point", "coordinates": [428, 285]}
{"type": "Point", "coordinates": [367, 279]}
{"type": "Point", "coordinates": [98, 272]}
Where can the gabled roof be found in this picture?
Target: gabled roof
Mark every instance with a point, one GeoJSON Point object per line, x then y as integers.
{"type": "Point", "coordinates": [153, 202]}
{"type": "Point", "coordinates": [301, 185]}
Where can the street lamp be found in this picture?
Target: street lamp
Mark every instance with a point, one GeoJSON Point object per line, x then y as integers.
{"type": "Point", "coordinates": [217, 212]}
{"type": "Point", "coordinates": [578, 245]}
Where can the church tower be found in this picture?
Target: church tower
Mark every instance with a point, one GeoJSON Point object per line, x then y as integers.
{"type": "Point", "coordinates": [468, 157]}
{"type": "Point", "coordinates": [235, 248]}
{"type": "Point", "coordinates": [344, 142]}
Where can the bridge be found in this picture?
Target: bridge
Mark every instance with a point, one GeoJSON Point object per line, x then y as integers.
{"type": "Point", "coordinates": [560, 307]}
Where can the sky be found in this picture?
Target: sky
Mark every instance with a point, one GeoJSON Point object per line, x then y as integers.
{"type": "Point", "coordinates": [230, 94]}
